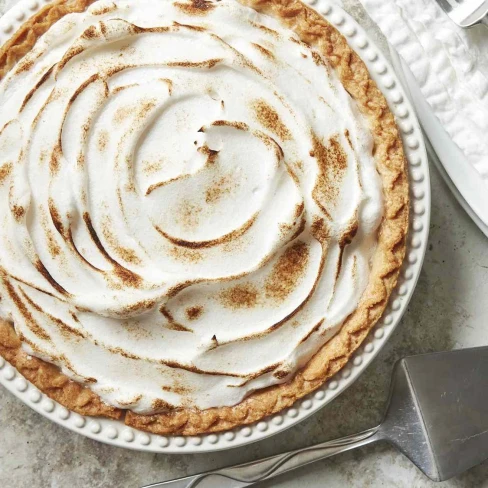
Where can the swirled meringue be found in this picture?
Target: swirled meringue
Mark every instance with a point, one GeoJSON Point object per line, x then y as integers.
{"type": "Point", "coordinates": [189, 201]}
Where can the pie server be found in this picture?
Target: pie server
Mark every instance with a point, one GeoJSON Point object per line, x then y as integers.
{"type": "Point", "coordinates": [437, 416]}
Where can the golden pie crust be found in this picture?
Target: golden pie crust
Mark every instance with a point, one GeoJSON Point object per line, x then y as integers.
{"type": "Point", "coordinates": [391, 165]}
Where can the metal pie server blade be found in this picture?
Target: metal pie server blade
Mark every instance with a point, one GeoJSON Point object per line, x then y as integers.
{"type": "Point", "coordinates": [437, 416]}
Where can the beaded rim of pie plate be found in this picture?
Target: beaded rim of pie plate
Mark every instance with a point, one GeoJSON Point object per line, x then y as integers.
{"type": "Point", "coordinates": [115, 432]}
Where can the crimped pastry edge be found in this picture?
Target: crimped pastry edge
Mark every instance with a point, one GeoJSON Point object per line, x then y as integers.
{"type": "Point", "coordinates": [391, 164]}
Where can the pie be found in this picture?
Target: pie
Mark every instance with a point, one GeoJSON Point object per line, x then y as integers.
{"type": "Point", "coordinates": [205, 207]}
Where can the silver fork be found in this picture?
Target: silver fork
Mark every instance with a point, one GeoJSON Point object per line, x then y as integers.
{"type": "Point", "coordinates": [437, 416]}
{"type": "Point", "coordinates": [466, 13]}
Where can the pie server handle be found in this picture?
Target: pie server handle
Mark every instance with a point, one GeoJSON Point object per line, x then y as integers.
{"type": "Point", "coordinates": [263, 469]}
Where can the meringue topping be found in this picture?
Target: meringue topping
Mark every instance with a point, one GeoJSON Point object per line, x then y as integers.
{"type": "Point", "coordinates": [189, 205]}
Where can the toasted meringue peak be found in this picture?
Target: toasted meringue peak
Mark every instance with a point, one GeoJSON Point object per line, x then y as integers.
{"type": "Point", "coordinates": [189, 201]}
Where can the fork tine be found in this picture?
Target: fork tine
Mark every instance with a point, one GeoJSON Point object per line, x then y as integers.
{"type": "Point", "coordinates": [464, 13]}
{"type": "Point", "coordinates": [445, 5]}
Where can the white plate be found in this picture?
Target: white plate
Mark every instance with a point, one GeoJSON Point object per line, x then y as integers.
{"type": "Point", "coordinates": [463, 180]}
{"type": "Point", "coordinates": [116, 433]}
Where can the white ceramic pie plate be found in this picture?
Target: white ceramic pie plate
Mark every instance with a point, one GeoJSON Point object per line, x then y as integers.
{"type": "Point", "coordinates": [116, 433]}
{"type": "Point", "coordinates": [461, 177]}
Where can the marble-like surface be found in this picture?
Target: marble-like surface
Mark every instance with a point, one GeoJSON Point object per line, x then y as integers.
{"type": "Point", "coordinates": [449, 310]}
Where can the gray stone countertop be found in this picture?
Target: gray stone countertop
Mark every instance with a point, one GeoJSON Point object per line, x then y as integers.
{"type": "Point", "coordinates": [448, 310]}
